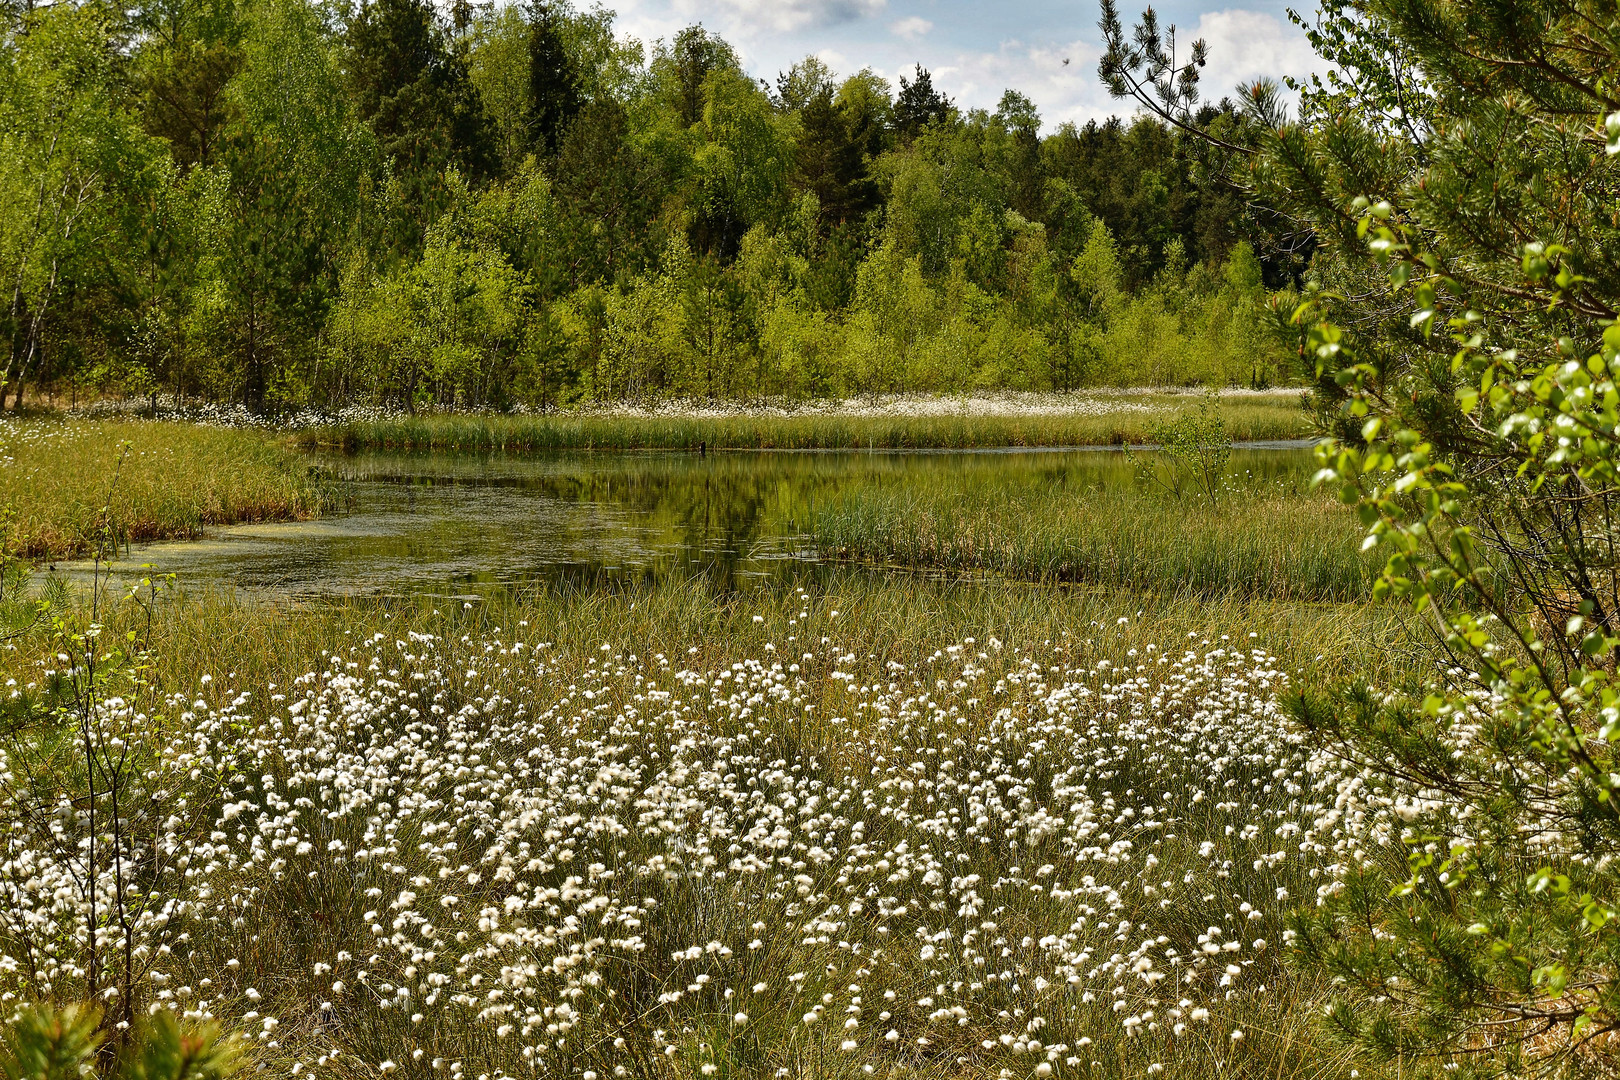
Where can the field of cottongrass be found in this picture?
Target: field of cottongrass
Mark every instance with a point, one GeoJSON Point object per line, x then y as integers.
{"type": "Point", "coordinates": [64, 485]}
{"type": "Point", "coordinates": [1114, 420]}
{"type": "Point", "coordinates": [663, 833]}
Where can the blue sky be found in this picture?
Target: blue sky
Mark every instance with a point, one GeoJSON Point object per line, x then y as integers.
{"type": "Point", "coordinates": [978, 48]}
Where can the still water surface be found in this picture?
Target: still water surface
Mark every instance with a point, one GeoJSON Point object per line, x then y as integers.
{"type": "Point", "coordinates": [464, 524]}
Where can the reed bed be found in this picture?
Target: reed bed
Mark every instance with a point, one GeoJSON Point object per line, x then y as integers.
{"type": "Point", "coordinates": [1260, 537]}
{"type": "Point", "coordinates": [1119, 421]}
{"type": "Point", "coordinates": [67, 485]}
{"type": "Point", "coordinates": [897, 617]}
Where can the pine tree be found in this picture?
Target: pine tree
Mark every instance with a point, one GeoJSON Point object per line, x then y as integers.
{"type": "Point", "coordinates": [1460, 185]}
{"type": "Point", "coordinates": [189, 53]}
{"type": "Point", "coordinates": [607, 198]}
{"type": "Point", "coordinates": [830, 161]}
{"type": "Point", "coordinates": [414, 92]}
{"type": "Point", "coordinates": [682, 71]}
{"type": "Point", "coordinates": [919, 104]}
{"type": "Point", "coordinates": [554, 96]}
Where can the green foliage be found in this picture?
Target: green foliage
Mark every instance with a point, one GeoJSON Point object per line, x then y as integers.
{"type": "Point", "coordinates": [67, 148]}
{"type": "Point", "coordinates": [45, 1043]}
{"type": "Point", "coordinates": [1460, 322]}
{"type": "Point", "coordinates": [1478, 408]}
{"type": "Point", "coordinates": [554, 97]}
{"type": "Point", "coordinates": [194, 52]}
{"type": "Point", "coordinates": [919, 105]}
{"type": "Point", "coordinates": [1501, 779]}
{"type": "Point", "coordinates": [411, 86]}
{"type": "Point", "coordinates": [49, 1044]}
{"type": "Point", "coordinates": [274, 207]}
{"type": "Point", "coordinates": [499, 67]}
{"type": "Point", "coordinates": [166, 1049]}
{"type": "Point", "coordinates": [1194, 449]}
{"type": "Point", "coordinates": [833, 146]}
{"type": "Point", "coordinates": [1376, 73]}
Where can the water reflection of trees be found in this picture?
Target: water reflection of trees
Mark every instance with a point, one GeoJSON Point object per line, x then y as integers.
{"type": "Point", "coordinates": [715, 516]}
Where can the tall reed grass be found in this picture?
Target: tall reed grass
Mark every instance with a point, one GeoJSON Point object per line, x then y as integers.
{"type": "Point", "coordinates": [1269, 537]}
{"type": "Point", "coordinates": [899, 617]}
{"type": "Point", "coordinates": [65, 485]}
{"type": "Point", "coordinates": [1121, 421]}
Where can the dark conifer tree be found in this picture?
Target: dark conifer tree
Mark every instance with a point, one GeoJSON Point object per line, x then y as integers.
{"type": "Point", "coordinates": [1026, 173]}
{"type": "Point", "coordinates": [919, 104]}
{"type": "Point", "coordinates": [554, 97]}
{"type": "Point", "coordinates": [188, 53]}
{"type": "Point", "coordinates": [696, 52]}
{"type": "Point", "coordinates": [831, 161]}
{"type": "Point", "coordinates": [413, 90]}
{"type": "Point", "coordinates": [606, 194]}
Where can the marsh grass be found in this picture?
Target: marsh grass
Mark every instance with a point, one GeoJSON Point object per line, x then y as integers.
{"type": "Point", "coordinates": [1261, 536]}
{"type": "Point", "coordinates": [541, 726]}
{"type": "Point", "coordinates": [1119, 421]}
{"type": "Point", "coordinates": [172, 480]}
{"type": "Point", "coordinates": [898, 617]}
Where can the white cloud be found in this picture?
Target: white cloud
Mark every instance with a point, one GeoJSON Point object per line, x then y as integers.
{"type": "Point", "coordinates": [911, 28]}
{"type": "Point", "coordinates": [753, 18]}
{"type": "Point", "coordinates": [1246, 45]}
{"type": "Point", "coordinates": [1243, 45]}
{"type": "Point", "coordinates": [1061, 91]}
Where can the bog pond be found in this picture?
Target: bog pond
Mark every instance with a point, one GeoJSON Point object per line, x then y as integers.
{"type": "Point", "coordinates": [461, 524]}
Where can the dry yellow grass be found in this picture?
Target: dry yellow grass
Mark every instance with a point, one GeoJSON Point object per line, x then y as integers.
{"type": "Point", "coordinates": [65, 485]}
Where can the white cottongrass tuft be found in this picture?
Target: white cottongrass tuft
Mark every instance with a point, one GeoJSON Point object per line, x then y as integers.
{"type": "Point", "coordinates": [464, 848]}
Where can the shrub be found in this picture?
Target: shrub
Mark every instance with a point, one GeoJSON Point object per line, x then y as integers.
{"type": "Point", "coordinates": [46, 1043]}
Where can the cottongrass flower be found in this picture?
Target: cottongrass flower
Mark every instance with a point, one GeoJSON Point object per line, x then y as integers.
{"type": "Point", "coordinates": [517, 862]}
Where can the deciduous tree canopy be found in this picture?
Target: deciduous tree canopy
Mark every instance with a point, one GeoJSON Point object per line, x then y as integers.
{"type": "Point", "coordinates": [490, 207]}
